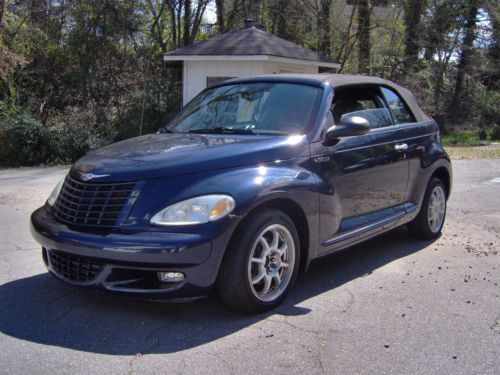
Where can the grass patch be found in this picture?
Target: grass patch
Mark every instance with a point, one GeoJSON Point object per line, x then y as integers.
{"type": "Point", "coordinates": [464, 138]}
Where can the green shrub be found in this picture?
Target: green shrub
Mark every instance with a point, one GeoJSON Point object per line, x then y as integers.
{"type": "Point", "coordinates": [25, 141]}
{"type": "Point", "coordinates": [20, 139]}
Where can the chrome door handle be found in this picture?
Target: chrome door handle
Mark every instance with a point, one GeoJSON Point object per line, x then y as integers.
{"type": "Point", "coordinates": [401, 147]}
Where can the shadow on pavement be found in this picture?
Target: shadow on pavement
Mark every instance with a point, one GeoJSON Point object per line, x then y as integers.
{"type": "Point", "coordinates": [40, 309]}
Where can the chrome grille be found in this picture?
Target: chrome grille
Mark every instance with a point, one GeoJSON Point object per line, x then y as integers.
{"type": "Point", "coordinates": [74, 268]}
{"type": "Point", "coordinates": [91, 204]}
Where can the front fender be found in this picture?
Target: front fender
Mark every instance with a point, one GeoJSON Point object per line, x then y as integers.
{"type": "Point", "coordinates": [251, 187]}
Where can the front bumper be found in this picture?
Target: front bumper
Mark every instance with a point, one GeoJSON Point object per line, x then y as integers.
{"type": "Point", "coordinates": [127, 262]}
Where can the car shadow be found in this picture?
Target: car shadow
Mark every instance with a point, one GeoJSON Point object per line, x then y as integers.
{"type": "Point", "coordinates": [41, 309]}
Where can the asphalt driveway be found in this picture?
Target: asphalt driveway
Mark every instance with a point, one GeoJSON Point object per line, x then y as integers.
{"type": "Point", "coordinates": [392, 305]}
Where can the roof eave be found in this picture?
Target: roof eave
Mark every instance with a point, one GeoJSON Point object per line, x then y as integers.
{"type": "Point", "coordinates": [250, 58]}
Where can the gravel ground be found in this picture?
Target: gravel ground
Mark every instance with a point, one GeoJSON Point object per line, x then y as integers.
{"type": "Point", "coordinates": [475, 152]}
{"type": "Point", "coordinates": [392, 305]}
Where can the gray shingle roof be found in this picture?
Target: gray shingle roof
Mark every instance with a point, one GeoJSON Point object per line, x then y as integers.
{"type": "Point", "coordinates": [249, 41]}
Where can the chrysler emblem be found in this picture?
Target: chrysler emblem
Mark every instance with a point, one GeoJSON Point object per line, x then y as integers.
{"type": "Point", "coordinates": [90, 176]}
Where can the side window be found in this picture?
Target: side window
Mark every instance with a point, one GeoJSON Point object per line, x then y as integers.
{"type": "Point", "coordinates": [400, 111]}
{"type": "Point", "coordinates": [363, 101]}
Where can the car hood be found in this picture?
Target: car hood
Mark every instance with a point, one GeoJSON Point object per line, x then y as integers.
{"type": "Point", "coordinates": [165, 155]}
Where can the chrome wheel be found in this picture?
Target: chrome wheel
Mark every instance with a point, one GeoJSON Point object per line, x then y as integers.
{"type": "Point", "coordinates": [436, 209]}
{"type": "Point", "coordinates": [271, 262]}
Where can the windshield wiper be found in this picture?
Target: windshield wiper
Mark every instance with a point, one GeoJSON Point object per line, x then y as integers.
{"type": "Point", "coordinates": [222, 130]}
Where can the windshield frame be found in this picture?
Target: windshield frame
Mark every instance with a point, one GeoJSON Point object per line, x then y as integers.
{"type": "Point", "coordinates": [299, 81]}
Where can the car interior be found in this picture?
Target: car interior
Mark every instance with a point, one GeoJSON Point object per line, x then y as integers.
{"type": "Point", "coordinates": [361, 101]}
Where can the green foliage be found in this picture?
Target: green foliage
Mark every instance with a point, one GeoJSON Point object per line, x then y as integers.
{"type": "Point", "coordinates": [20, 137]}
{"type": "Point", "coordinates": [463, 138]}
{"type": "Point", "coordinates": [160, 100]}
{"type": "Point", "coordinates": [486, 102]}
{"type": "Point", "coordinates": [24, 140]}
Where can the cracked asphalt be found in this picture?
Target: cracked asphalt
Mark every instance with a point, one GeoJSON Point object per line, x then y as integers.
{"type": "Point", "coordinates": [392, 305]}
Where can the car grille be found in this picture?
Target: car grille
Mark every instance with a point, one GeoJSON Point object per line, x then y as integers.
{"type": "Point", "coordinates": [91, 204]}
{"type": "Point", "coordinates": [74, 268]}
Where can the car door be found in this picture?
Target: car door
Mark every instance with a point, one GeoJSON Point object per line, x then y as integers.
{"type": "Point", "coordinates": [414, 137]}
{"type": "Point", "coordinates": [366, 175]}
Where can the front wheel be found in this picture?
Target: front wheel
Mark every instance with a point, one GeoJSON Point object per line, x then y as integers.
{"type": "Point", "coordinates": [261, 262]}
{"type": "Point", "coordinates": [430, 220]}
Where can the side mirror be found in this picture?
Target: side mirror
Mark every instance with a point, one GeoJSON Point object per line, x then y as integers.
{"type": "Point", "coordinates": [349, 126]}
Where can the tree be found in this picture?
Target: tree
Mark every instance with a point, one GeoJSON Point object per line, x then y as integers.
{"type": "Point", "coordinates": [2, 5]}
{"type": "Point", "coordinates": [466, 53]}
{"type": "Point", "coordinates": [493, 71]}
{"type": "Point", "coordinates": [413, 13]}
{"type": "Point", "coordinates": [364, 39]}
{"type": "Point", "coordinates": [278, 13]}
{"type": "Point", "coordinates": [38, 12]}
{"type": "Point", "coordinates": [187, 22]}
{"type": "Point", "coordinates": [324, 44]}
{"type": "Point", "coordinates": [221, 17]}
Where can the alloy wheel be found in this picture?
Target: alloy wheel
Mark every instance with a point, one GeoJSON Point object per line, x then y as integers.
{"type": "Point", "coordinates": [271, 262]}
{"type": "Point", "coordinates": [436, 209]}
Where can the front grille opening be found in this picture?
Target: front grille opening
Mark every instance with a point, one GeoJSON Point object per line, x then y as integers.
{"type": "Point", "coordinates": [122, 278]}
{"type": "Point", "coordinates": [91, 204]}
{"type": "Point", "coordinates": [74, 268]}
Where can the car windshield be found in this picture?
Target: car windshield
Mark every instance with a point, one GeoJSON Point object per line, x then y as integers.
{"type": "Point", "coordinates": [249, 108]}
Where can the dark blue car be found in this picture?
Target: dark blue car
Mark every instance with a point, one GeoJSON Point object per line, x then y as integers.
{"type": "Point", "coordinates": [250, 182]}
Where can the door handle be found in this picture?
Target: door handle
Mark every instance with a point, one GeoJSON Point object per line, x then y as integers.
{"type": "Point", "coordinates": [401, 147]}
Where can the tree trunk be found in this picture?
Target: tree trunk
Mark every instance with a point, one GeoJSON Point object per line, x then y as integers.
{"type": "Point", "coordinates": [277, 12]}
{"type": "Point", "coordinates": [282, 18]}
{"type": "Point", "coordinates": [38, 12]}
{"type": "Point", "coordinates": [219, 4]}
{"type": "Point", "coordinates": [173, 25]}
{"type": "Point", "coordinates": [324, 45]}
{"type": "Point", "coordinates": [413, 13]}
{"type": "Point", "coordinates": [187, 22]}
{"type": "Point", "coordinates": [198, 17]}
{"type": "Point", "coordinates": [465, 54]}
{"type": "Point", "coordinates": [2, 3]}
{"type": "Point", "coordinates": [364, 40]}
{"type": "Point", "coordinates": [493, 81]}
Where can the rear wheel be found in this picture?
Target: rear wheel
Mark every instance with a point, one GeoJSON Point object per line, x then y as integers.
{"type": "Point", "coordinates": [261, 262]}
{"type": "Point", "coordinates": [430, 220]}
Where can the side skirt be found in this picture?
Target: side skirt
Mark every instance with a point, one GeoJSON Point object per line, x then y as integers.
{"type": "Point", "coordinates": [355, 236]}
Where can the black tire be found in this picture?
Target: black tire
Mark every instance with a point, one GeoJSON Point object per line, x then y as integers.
{"type": "Point", "coordinates": [233, 281]}
{"type": "Point", "coordinates": [420, 227]}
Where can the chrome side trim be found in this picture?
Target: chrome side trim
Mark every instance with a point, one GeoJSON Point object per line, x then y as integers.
{"type": "Point", "coordinates": [366, 228]}
{"type": "Point", "coordinates": [385, 143]}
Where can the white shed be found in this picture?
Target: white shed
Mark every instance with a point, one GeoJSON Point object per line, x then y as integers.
{"type": "Point", "coordinates": [244, 52]}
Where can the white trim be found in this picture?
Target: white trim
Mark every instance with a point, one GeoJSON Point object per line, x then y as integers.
{"type": "Point", "coordinates": [248, 58]}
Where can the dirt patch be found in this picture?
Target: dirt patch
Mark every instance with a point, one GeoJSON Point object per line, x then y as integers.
{"type": "Point", "coordinates": [474, 152]}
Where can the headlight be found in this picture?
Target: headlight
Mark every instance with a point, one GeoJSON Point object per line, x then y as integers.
{"type": "Point", "coordinates": [197, 210]}
{"type": "Point", "coordinates": [55, 193]}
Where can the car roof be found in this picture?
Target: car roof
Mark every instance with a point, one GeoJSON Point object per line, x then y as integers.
{"type": "Point", "coordinates": [336, 81]}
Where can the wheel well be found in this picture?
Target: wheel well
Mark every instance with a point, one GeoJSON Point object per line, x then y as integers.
{"type": "Point", "coordinates": [295, 212]}
{"type": "Point", "coordinates": [443, 174]}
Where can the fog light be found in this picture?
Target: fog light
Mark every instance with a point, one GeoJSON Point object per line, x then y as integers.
{"type": "Point", "coordinates": [170, 277]}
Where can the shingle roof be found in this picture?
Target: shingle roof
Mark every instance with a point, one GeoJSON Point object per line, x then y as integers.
{"type": "Point", "coordinates": [249, 41]}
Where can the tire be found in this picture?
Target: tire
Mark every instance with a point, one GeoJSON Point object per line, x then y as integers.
{"type": "Point", "coordinates": [430, 220]}
{"type": "Point", "coordinates": [242, 282]}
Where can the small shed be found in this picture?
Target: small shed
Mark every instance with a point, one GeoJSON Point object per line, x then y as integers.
{"type": "Point", "coordinates": [244, 52]}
